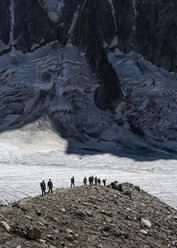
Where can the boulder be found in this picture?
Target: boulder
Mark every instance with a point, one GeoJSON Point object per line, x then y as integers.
{"type": "Point", "coordinates": [33, 233]}
{"type": "Point", "coordinates": [128, 193]}
{"type": "Point", "coordinates": [143, 231]}
{"type": "Point", "coordinates": [137, 188]}
{"type": "Point", "coordinates": [38, 212]}
{"type": "Point", "coordinates": [5, 225]}
{"type": "Point", "coordinates": [146, 223]}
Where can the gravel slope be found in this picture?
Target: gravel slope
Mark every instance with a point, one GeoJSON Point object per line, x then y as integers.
{"type": "Point", "coordinates": [89, 217]}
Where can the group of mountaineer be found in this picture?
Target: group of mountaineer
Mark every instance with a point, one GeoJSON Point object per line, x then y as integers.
{"type": "Point", "coordinates": [49, 185]}
{"type": "Point", "coordinates": [91, 180]}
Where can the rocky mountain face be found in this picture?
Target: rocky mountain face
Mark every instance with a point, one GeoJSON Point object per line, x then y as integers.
{"type": "Point", "coordinates": [64, 58]}
{"type": "Point", "coordinates": [92, 216]}
{"type": "Point", "coordinates": [147, 27]}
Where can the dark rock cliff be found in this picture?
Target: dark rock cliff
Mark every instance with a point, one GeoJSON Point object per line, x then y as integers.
{"type": "Point", "coordinates": [147, 27]}
{"type": "Point", "coordinates": [156, 32]}
{"type": "Point", "coordinates": [32, 25]}
{"type": "Point", "coordinates": [4, 21]}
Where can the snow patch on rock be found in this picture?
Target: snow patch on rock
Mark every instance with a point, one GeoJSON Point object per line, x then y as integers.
{"type": "Point", "coordinates": [75, 17]}
{"type": "Point", "coordinates": [53, 8]}
{"type": "Point", "coordinates": [115, 21]}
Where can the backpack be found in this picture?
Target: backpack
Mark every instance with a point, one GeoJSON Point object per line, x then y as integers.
{"type": "Point", "coordinates": [50, 184]}
{"type": "Point", "coordinates": [42, 185]}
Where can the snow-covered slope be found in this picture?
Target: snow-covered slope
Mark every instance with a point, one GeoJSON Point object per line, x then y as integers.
{"type": "Point", "coordinates": [48, 110]}
{"type": "Point", "coordinates": [149, 107]}
{"type": "Point", "coordinates": [56, 80]}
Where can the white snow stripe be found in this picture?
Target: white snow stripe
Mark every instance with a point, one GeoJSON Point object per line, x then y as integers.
{"type": "Point", "coordinates": [12, 19]}
{"type": "Point", "coordinates": [75, 17]}
{"type": "Point", "coordinates": [114, 16]}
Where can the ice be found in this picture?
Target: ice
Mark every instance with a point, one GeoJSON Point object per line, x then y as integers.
{"type": "Point", "coordinates": [134, 8]}
{"type": "Point", "coordinates": [150, 101]}
{"type": "Point", "coordinates": [53, 8]}
{"type": "Point", "coordinates": [37, 152]}
{"type": "Point", "coordinates": [12, 7]}
{"type": "Point", "coordinates": [75, 17]}
{"type": "Point", "coordinates": [114, 42]}
{"type": "Point", "coordinates": [47, 107]}
{"type": "Point", "coordinates": [85, 2]}
{"type": "Point", "coordinates": [115, 22]}
{"type": "Point", "coordinates": [135, 20]}
{"type": "Point", "coordinates": [12, 16]}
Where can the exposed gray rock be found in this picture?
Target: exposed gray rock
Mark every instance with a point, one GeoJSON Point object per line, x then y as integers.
{"type": "Point", "coordinates": [137, 188]}
{"type": "Point", "coordinates": [38, 212]}
{"type": "Point", "coordinates": [146, 223]}
{"type": "Point", "coordinates": [20, 231]}
{"type": "Point", "coordinates": [121, 227]}
{"type": "Point", "coordinates": [143, 231]}
{"type": "Point", "coordinates": [5, 225]}
{"type": "Point", "coordinates": [33, 233]}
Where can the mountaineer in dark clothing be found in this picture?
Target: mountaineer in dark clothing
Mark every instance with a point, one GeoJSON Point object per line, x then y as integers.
{"type": "Point", "coordinates": [50, 186]}
{"type": "Point", "coordinates": [99, 181]}
{"type": "Point", "coordinates": [85, 181]}
{"type": "Point", "coordinates": [96, 180]}
{"type": "Point", "coordinates": [91, 180]}
{"type": "Point", "coordinates": [43, 187]}
{"type": "Point", "coordinates": [104, 182]}
{"type": "Point", "coordinates": [72, 182]}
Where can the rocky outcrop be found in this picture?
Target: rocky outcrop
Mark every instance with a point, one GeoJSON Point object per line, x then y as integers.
{"type": "Point", "coordinates": [85, 38]}
{"type": "Point", "coordinates": [33, 28]}
{"type": "Point", "coordinates": [92, 216]}
{"type": "Point", "coordinates": [4, 25]}
{"type": "Point", "coordinates": [156, 32]}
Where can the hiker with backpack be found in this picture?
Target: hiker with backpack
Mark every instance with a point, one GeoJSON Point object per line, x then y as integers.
{"type": "Point", "coordinates": [96, 180]}
{"type": "Point", "coordinates": [99, 181]}
{"type": "Point", "coordinates": [104, 182]}
{"type": "Point", "coordinates": [50, 186]}
{"type": "Point", "coordinates": [43, 187]}
{"type": "Point", "coordinates": [85, 181]}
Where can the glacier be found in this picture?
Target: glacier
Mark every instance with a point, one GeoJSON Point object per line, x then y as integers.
{"type": "Point", "coordinates": [51, 128]}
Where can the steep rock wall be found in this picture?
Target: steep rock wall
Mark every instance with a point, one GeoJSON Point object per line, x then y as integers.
{"type": "Point", "coordinates": [147, 27]}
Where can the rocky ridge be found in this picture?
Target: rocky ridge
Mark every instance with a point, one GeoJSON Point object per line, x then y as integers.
{"type": "Point", "coordinates": [89, 216]}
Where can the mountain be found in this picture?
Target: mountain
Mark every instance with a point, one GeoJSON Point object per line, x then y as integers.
{"type": "Point", "coordinates": [86, 65]}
